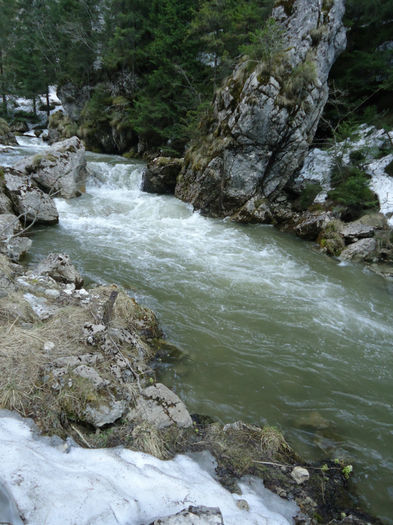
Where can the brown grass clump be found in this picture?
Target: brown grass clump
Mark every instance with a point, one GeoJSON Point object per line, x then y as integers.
{"type": "Point", "coordinates": [23, 356]}
{"type": "Point", "coordinates": [147, 438]}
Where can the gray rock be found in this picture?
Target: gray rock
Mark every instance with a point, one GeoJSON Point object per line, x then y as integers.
{"type": "Point", "coordinates": [92, 375]}
{"type": "Point", "coordinates": [263, 122]}
{"type": "Point", "coordinates": [40, 306]}
{"type": "Point", "coordinates": [161, 174]}
{"type": "Point", "coordinates": [61, 170]}
{"type": "Point", "coordinates": [353, 231]}
{"type": "Point", "coordinates": [105, 414]}
{"type": "Point", "coordinates": [28, 200]}
{"type": "Point", "coordinates": [9, 225]}
{"type": "Point", "coordinates": [16, 247]}
{"type": "Point", "coordinates": [362, 250]}
{"type": "Point", "coordinates": [300, 475]}
{"type": "Point", "coordinates": [254, 211]}
{"type": "Point", "coordinates": [160, 407]}
{"type": "Point", "coordinates": [59, 267]}
{"type": "Point", "coordinates": [199, 515]}
{"type": "Point", "coordinates": [5, 204]}
{"type": "Point", "coordinates": [311, 224]}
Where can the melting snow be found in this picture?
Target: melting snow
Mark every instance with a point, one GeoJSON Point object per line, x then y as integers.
{"type": "Point", "coordinates": [108, 486]}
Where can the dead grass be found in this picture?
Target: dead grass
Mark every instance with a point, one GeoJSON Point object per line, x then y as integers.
{"type": "Point", "coordinates": [147, 438]}
{"type": "Point", "coordinates": [23, 357]}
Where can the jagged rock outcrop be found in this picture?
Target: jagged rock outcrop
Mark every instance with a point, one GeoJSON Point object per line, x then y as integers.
{"type": "Point", "coordinates": [161, 174]}
{"type": "Point", "coordinates": [28, 201]}
{"type": "Point", "coordinates": [61, 170]}
{"type": "Point", "coordinates": [262, 122]}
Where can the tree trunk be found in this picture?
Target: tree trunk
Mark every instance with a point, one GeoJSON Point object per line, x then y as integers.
{"type": "Point", "coordinates": [3, 93]}
{"type": "Point", "coordinates": [35, 106]}
{"type": "Point", "coordinates": [47, 102]}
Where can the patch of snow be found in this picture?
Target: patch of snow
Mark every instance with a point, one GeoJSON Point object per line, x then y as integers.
{"type": "Point", "coordinates": [382, 185]}
{"type": "Point", "coordinates": [117, 485]}
{"type": "Point", "coordinates": [318, 165]}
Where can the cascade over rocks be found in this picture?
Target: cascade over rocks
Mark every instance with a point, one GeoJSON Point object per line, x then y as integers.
{"type": "Point", "coordinates": [262, 122]}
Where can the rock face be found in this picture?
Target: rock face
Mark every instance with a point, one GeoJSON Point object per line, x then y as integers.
{"type": "Point", "coordinates": [29, 201]}
{"type": "Point", "coordinates": [161, 174]}
{"type": "Point", "coordinates": [263, 122]}
{"type": "Point", "coordinates": [61, 170]}
{"type": "Point", "coordinates": [73, 99]}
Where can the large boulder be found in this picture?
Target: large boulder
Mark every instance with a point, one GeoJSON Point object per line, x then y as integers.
{"type": "Point", "coordinates": [161, 174]}
{"type": "Point", "coordinates": [6, 136]}
{"type": "Point", "coordinates": [262, 122]}
{"type": "Point", "coordinates": [61, 170]}
{"type": "Point", "coordinates": [28, 201]}
{"type": "Point", "coordinates": [362, 250]}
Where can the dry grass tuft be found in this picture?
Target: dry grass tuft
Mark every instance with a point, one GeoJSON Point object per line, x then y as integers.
{"type": "Point", "coordinates": [147, 438]}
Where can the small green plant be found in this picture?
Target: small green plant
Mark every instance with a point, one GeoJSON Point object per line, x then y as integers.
{"type": "Point", "coordinates": [357, 156]}
{"type": "Point", "coordinates": [307, 196]}
{"type": "Point", "coordinates": [351, 191]}
{"type": "Point", "coordinates": [325, 468]}
{"type": "Point", "coordinates": [347, 471]}
{"type": "Point", "coordinates": [265, 44]}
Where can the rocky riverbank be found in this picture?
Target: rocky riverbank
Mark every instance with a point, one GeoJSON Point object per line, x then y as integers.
{"type": "Point", "coordinates": [81, 363]}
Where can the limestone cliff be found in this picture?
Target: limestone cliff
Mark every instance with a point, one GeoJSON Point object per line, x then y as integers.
{"type": "Point", "coordinates": [265, 116]}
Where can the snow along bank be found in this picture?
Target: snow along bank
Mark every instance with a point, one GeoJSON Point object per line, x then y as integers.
{"type": "Point", "coordinates": [107, 486]}
{"type": "Point", "coordinates": [318, 165]}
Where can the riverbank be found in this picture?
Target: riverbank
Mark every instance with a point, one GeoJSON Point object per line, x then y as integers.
{"type": "Point", "coordinates": [139, 240]}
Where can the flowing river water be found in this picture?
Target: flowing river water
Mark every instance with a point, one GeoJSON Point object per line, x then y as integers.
{"type": "Point", "coordinates": [272, 331]}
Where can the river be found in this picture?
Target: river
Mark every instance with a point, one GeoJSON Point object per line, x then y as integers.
{"type": "Point", "coordinates": [272, 331]}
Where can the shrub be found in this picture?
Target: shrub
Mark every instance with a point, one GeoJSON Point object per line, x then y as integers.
{"type": "Point", "coordinates": [307, 196]}
{"type": "Point", "coordinates": [352, 191]}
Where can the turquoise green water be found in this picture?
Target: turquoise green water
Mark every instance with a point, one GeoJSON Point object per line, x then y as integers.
{"type": "Point", "coordinates": [273, 332]}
